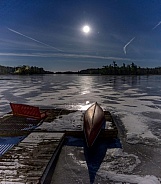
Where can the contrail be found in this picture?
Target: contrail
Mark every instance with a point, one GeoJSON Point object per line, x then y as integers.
{"type": "Point", "coordinates": [156, 25]}
{"type": "Point", "coordinates": [124, 49]}
{"type": "Point", "coordinates": [66, 55]}
{"type": "Point", "coordinates": [33, 39]}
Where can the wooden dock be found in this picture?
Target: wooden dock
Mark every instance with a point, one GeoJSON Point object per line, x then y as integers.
{"type": "Point", "coordinates": [75, 126]}
{"type": "Point", "coordinates": [32, 159]}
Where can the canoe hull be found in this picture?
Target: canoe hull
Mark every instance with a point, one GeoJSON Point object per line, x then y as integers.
{"type": "Point", "coordinates": [93, 121]}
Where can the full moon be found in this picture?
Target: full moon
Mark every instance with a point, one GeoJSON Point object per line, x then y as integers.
{"type": "Point", "coordinates": [86, 29]}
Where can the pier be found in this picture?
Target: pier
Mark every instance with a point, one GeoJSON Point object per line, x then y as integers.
{"type": "Point", "coordinates": [34, 159]}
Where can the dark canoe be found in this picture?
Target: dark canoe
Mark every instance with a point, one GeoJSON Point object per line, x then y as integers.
{"type": "Point", "coordinates": [93, 121]}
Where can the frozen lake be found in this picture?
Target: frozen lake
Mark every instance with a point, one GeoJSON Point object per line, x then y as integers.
{"type": "Point", "coordinates": [135, 100]}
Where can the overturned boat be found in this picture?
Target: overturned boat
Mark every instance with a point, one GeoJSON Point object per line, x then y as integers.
{"type": "Point", "coordinates": [93, 122]}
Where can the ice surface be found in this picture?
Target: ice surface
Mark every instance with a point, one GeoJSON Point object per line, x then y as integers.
{"type": "Point", "coordinates": [130, 178]}
{"type": "Point", "coordinates": [135, 100]}
{"type": "Point", "coordinates": [127, 97]}
{"type": "Point", "coordinates": [116, 166]}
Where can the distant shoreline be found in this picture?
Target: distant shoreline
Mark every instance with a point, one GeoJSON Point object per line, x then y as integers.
{"type": "Point", "coordinates": [112, 69]}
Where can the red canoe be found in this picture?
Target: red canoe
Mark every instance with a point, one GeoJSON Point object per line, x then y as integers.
{"type": "Point", "coordinates": [93, 121]}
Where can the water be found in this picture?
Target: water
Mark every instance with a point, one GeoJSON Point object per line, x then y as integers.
{"type": "Point", "coordinates": [136, 100]}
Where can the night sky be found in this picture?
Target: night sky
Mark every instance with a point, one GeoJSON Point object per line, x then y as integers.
{"type": "Point", "coordinates": [48, 33]}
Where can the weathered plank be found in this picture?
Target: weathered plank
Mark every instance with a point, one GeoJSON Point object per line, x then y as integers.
{"type": "Point", "coordinates": [30, 160]}
{"type": "Point", "coordinates": [16, 126]}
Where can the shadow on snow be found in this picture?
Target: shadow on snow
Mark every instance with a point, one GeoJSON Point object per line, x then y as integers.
{"type": "Point", "coordinates": [95, 154]}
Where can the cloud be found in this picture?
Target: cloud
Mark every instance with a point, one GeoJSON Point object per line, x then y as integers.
{"type": "Point", "coordinates": [124, 48]}
{"type": "Point", "coordinates": [64, 55]}
{"type": "Point", "coordinates": [156, 25]}
{"type": "Point", "coordinates": [16, 32]}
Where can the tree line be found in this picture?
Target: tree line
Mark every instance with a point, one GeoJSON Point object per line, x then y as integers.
{"type": "Point", "coordinates": [114, 69]}
{"type": "Point", "coordinates": [23, 70]}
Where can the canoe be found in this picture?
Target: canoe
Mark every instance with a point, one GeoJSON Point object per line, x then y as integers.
{"type": "Point", "coordinates": [93, 121]}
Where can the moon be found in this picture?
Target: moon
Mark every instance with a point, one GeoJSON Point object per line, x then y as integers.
{"type": "Point", "coordinates": [86, 29]}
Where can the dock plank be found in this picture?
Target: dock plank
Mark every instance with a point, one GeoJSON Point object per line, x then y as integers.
{"type": "Point", "coordinates": [28, 162]}
{"type": "Point", "coordinates": [11, 125]}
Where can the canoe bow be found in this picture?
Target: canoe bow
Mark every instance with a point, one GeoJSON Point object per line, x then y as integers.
{"type": "Point", "coordinates": [93, 121]}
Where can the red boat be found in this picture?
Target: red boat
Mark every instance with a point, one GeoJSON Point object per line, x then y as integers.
{"type": "Point", "coordinates": [93, 121]}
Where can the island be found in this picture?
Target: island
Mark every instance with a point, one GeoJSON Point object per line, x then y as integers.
{"type": "Point", "coordinates": [23, 70]}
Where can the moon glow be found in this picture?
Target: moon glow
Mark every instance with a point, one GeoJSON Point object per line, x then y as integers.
{"type": "Point", "coordinates": [86, 29]}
